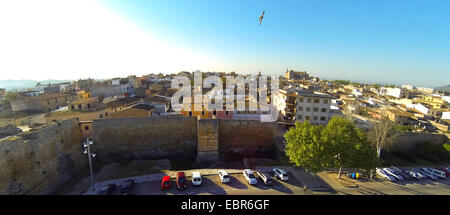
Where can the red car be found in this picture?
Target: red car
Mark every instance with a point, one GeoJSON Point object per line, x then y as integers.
{"type": "Point", "coordinates": [165, 183]}
{"type": "Point", "coordinates": [447, 173]}
{"type": "Point", "coordinates": [181, 181]}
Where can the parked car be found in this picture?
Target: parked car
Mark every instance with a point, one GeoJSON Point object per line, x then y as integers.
{"type": "Point", "coordinates": [437, 173]}
{"type": "Point", "coordinates": [414, 175]}
{"type": "Point", "coordinates": [165, 183]}
{"type": "Point", "coordinates": [447, 172]}
{"type": "Point", "coordinates": [223, 175]}
{"type": "Point", "coordinates": [107, 189]}
{"type": "Point", "coordinates": [249, 176]}
{"type": "Point", "coordinates": [419, 174]}
{"type": "Point", "coordinates": [280, 174]}
{"type": "Point", "coordinates": [405, 175]}
{"type": "Point", "coordinates": [428, 175]}
{"type": "Point", "coordinates": [384, 175]}
{"type": "Point", "coordinates": [196, 178]}
{"type": "Point", "coordinates": [127, 187]}
{"type": "Point", "coordinates": [393, 173]}
{"type": "Point", "coordinates": [181, 181]}
{"type": "Point", "coordinates": [265, 178]}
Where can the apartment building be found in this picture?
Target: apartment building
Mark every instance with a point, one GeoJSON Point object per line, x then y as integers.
{"type": "Point", "coordinates": [296, 75]}
{"type": "Point", "coordinates": [300, 106]}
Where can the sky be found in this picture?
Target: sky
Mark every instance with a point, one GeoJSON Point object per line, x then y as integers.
{"type": "Point", "coordinates": [397, 42]}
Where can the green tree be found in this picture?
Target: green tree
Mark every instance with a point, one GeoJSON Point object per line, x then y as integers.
{"type": "Point", "coordinates": [347, 146]}
{"type": "Point", "coordinates": [304, 147]}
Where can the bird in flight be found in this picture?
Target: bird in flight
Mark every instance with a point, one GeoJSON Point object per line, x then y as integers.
{"type": "Point", "coordinates": [261, 18]}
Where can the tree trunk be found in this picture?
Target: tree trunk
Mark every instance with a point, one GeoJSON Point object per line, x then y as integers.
{"type": "Point", "coordinates": [379, 152]}
{"type": "Point", "coordinates": [340, 171]}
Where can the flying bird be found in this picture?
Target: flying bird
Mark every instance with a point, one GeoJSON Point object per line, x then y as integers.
{"type": "Point", "coordinates": [261, 18]}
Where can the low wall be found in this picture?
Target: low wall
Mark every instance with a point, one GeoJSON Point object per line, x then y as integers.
{"type": "Point", "coordinates": [42, 161]}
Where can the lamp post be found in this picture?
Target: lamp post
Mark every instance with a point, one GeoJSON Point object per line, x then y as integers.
{"type": "Point", "coordinates": [87, 150]}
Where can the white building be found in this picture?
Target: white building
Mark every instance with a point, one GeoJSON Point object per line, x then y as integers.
{"type": "Point", "coordinates": [425, 89]}
{"type": "Point", "coordinates": [299, 105]}
{"type": "Point", "coordinates": [389, 91]}
{"type": "Point", "coordinates": [445, 115]}
{"type": "Point", "coordinates": [408, 87]}
{"type": "Point", "coordinates": [419, 107]}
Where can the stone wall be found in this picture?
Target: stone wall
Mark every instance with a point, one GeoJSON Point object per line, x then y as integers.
{"type": "Point", "coordinates": [407, 141]}
{"type": "Point", "coordinates": [208, 140]}
{"type": "Point", "coordinates": [146, 138]}
{"type": "Point", "coordinates": [244, 138]}
{"type": "Point", "coordinates": [42, 161]}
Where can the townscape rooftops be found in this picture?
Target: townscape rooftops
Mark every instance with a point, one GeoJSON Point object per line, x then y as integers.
{"type": "Point", "coordinates": [144, 107]}
{"type": "Point", "coordinates": [123, 102]}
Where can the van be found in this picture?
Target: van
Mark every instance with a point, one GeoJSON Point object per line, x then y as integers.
{"type": "Point", "coordinates": [196, 178]}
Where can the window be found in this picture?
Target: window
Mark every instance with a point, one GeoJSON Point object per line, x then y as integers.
{"type": "Point", "coordinates": [315, 117]}
{"type": "Point", "coordinates": [300, 108]}
{"type": "Point", "coordinates": [323, 118]}
{"type": "Point", "coordinates": [101, 116]}
{"type": "Point", "coordinates": [307, 118]}
{"type": "Point", "coordinates": [73, 107]}
{"type": "Point", "coordinates": [226, 112]}
{"type": "Point", "coordinates": [203, 113]}
{"type": "Point", "coordinates": [324, 110]}
{"type": "Point", "coordinates": [190, 113]}
{"type": "Point", "coordinates": [308, 100]}
{"type": "Point", "coordinates": [89, 106]}
{"type": "Point", "coordinates": [56, 100]}
{"type": "Point", "coordinates": [308, 109]}
{"type": "Point", "coordinates": [300, 99]}
{"type": "Point", "coordinates": [300, 117]}
{"type": "Point", "coordinates": [325, 101]}
{"type": "Point", "coordinates": [106, 114]}
{"type": "Point", "coordinates": [48, 102]}
{"type": "Point", "coordinates": [86, 127]}
{"type": "Point", "coordinates": [316, 100]}
{"type": "Point", "coordinates": [79, 106]}
{"type": "Point", "coordinates": [214, 113]}
{"type": "Point", "coordinates": [316, 109]}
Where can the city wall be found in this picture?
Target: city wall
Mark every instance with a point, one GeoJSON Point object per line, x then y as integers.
{"type": "Point", "coordinates": [145, 138]}
{"type": "Point", "coordinates": [407, 141]}
{"type": "Point", "coordinates": [42, 161]}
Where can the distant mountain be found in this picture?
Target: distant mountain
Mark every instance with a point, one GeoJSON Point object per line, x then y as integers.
{"type": "Point", "coordinates": [443, 88]}
{"type": "Point", "coordinates": [25, 84]}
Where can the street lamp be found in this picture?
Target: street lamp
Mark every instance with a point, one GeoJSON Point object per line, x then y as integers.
{"type": "Point", "coordinates": [87, 150]}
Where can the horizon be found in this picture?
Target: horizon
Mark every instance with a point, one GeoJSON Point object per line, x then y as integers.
{"type": "Point", "coordinates": [392, 42]}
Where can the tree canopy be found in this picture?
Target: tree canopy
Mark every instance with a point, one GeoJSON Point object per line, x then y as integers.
{"type": "Point", "coordinates": [339, 144]}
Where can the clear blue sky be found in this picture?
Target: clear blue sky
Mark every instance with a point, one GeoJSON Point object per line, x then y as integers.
{"type": "Point", "coordinates": [399, 42]}
{"type": "Point", "coordinates": [403, 41]}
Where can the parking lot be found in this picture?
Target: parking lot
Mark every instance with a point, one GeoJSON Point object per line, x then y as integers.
{"type": "Point", "coordinates": [212, 185]}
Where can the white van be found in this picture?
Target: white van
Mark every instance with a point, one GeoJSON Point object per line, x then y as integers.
{"type": "Point", "coordinates": [196, 178]}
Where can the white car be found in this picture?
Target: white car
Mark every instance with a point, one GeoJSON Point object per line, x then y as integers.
{"type": "Point", "coordinates": [249, 176]}
{"type": "Point", "coordinates": [429, 175]}
{"type": "Point", "coordinates": [281, 174]}
{"type": "Point", "coordinates": [415, 174]}
{"type": "Point", "coordinates": [437, 173]}
{"type": "Point", "coordinates": [223, 175]}
{"type": "Point", "coordinates": [393, 173]}
{"type": "Point", "coordinates": [196, 178]}
{"type": "Point", "coordinates": [265, 178]}
{"type": "Point", "coordinates": [384, 175]}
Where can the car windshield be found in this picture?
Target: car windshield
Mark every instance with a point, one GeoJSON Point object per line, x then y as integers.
{"type": "Point", "coordinates": [225, 176]}
{"type": "Point", "coordinates": [166, 183]}
{"type": "Point", "coordinates": [284, 175]}
{"type": "Point", "coordinates": [251, 175]}
{"type": "Point", "coordinates": [181, 179]}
